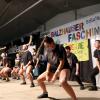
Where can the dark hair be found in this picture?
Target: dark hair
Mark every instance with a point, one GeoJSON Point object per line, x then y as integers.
{"type": "Point", "coordinates": [97, 41]}
{"type": "Point", "coordinates": [48, 40]}
{"type": "Point", "coordinates": [68, 47]}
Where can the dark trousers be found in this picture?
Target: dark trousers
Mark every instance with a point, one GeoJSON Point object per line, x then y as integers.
{"type": "Point", "coordinates": [94, 72]}
{"type": "Point", "coordinates": [75, 77]}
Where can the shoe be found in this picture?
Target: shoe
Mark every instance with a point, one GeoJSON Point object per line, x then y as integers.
{"type": "Point", "coordinates": [23, 83]}
{"type": "Point", "coordinates": [32, 85]}
{"type": "Point", "coordinates": [93, 88]}
{"type": "Point", "coordinates": [44, 95]}
{"type": "Point", "coordinates": [3, 78]}
{"type": "Point", "coordinates": [18, 78]}
{"type": "Point", "coordinates": [7, 80]}
{"type": "Point", "coordinates": [82, 87]}
{"type": "Point", "coordinates": [14, 78]}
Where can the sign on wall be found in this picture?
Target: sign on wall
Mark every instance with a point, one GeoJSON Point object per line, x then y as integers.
{"type": "Point", "coordinates": [76, 34]}
{"type": "Point", "coordinates": [81, 29]}
{"type": "Point", "coordinates": [80, 49]}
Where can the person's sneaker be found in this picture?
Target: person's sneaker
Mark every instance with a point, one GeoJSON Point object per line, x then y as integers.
{"type": "Point", "coordinates": [13, 77]}
{"type": "Point", "coordinates": [32, 85]}
{"type": "Point", "coordinates": [3, 78]}
{"type": "Point", "coordinates": [23, 83]}
{"type": "Point", "coordinates": [18, 78]}
{"type": "Point", "coordinates": [7, 80]}
{"type": "Point", "coordinates": [82, 87]}
{"type": "Point", "coordinates": [93, 88]}
{"type": "Point", "coordinates": [44, 95]}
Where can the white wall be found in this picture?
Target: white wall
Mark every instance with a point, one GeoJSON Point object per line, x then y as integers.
{"type": "Point", "coordinates": [83, 12]}
{"type": "Point", "coordinates": [60, 19]}
{"type": "Point", "coordinates": [67, 17]}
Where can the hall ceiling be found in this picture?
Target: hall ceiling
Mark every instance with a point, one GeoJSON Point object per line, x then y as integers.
{"type": "Point", "coordinates": [13, 25]}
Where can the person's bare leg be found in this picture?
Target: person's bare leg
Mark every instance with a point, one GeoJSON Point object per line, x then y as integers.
{"type": "Point", "coordinates": [13, 75]}
{"type": "Point", "coordinates": [22, 76]}
{"type": "Point", "coordinates": [7, 72]}
{"type": "Point", "coordinates": [2, 75]}
{"type": "Point", "coordinates": [41, 80]}
{"type": "Point", "coordinates": [6, 75]}
{"type": "Point", "coordinates": [65, 85]}
{"type": "Point", "coordinates": [29, 75]}
{"type": "Point", "coordinates": [16, 72]}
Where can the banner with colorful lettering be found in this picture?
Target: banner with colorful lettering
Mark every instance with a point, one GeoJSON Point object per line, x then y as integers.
{"type": "Point", "coordinates": [80, 49]}
{"type": "Point", "coordinates": [81, 29]}
{"type": "Point", "coordinates": [76, 34]}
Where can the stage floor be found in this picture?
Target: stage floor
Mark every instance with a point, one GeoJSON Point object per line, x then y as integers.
{"type": "Point", "coordinates": [14, 91]}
